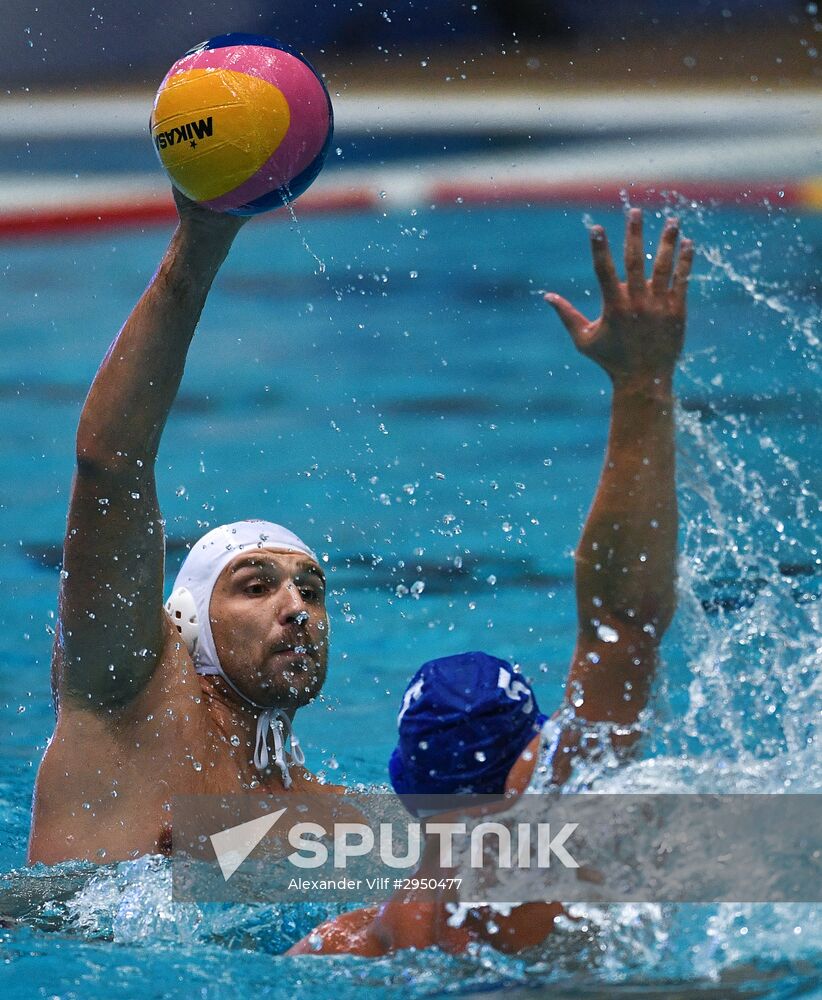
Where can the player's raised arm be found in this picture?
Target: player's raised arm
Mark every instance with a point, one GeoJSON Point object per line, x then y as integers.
{"type": "Point", "coordinates": [112, 627]}
{"type": "Point", "coordinates": [626, 557]}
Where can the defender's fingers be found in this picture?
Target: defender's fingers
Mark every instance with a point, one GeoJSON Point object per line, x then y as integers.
{"type": "Point", "coordinates": [572, 319]}
{"type": "Point", "coordinates": [604, 265]}
{"type": "Point", "coordinates": [683, 270]}
{"type": "Point", "coordinates": [634, 254]}
{"type": "Point", "coordinates": [663, 265]}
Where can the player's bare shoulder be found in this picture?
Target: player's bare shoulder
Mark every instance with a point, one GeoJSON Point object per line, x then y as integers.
{"type": "Point", "coordinates": [163, 723]}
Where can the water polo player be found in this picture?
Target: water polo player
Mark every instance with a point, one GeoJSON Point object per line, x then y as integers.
{"type": "Point", "coordinates": [462, 735]}
{"type": "Point", "coordinates": [468, 724]}
{"type": "Point", "coordinates": [197, 698]}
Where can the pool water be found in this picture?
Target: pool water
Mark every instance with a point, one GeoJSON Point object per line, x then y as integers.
{"type": "Point", "coordinates": [395, 390]}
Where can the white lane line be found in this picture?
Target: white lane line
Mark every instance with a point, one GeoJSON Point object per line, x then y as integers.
{"type": "Point", "coordinates": [787, 159]}
{"type": "Point", "coordinates": [491, 112]}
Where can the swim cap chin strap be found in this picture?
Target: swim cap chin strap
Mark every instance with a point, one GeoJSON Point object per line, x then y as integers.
{"type": "Point", "coordinates": [280, 726]}
{"type": "Point", "coordinates": [188, 609]}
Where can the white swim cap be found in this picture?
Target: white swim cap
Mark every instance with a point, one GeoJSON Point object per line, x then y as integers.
{"type": "Point", "coordinates": [202, 566]}
{"type": "Point", "coordinates": [188, 608]}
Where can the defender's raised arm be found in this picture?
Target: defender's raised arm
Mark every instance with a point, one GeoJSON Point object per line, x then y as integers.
{"type": "Point", "coordinates": [626, 557]}
{"type": "Point", "coordinates": [111, 622]}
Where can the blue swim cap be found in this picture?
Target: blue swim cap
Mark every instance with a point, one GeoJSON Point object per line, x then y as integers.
{"type": "Point", "coordinates": [463, 722]}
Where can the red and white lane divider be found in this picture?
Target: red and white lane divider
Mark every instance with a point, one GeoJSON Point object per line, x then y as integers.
{"type": "Point", "coordinates": [750, 151]}
{"type": "Point", "coordinates": [157, 209]}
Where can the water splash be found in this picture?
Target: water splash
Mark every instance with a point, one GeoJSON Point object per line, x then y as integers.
{"type": "Point", "coordinates": [289, 205]}
{"type": "Point", "coordinates": [746, 634]}
{"type": "Point", "coordinates": [760, 294]}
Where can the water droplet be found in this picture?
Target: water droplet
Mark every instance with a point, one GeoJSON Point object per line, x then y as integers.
{"type": "Point", "coordinates": [315, 942]}
{"type": "Point", "coordinates": [607, 634]}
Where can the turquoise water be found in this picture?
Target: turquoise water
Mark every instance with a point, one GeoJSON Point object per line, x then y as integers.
{"type": "Point", "coordinates": [418, 415]}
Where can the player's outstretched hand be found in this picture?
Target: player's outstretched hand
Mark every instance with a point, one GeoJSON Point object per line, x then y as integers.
{"type": "Point", "coordinates": [642, 327]}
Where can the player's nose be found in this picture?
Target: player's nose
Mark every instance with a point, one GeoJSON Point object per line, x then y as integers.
{"type": "Point", "coordinates": [291, 607]}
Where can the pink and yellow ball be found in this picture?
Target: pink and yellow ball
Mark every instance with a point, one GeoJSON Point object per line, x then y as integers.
{"type": "Point", "coordinates": [242, 124]}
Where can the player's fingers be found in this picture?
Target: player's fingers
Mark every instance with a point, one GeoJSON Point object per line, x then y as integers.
{"type": "Point", "coordinates": [572, 319]}
{"type": "Point", "coordinates": [683, 270]}
{"type": "Point", "coordinates": [663, 265]}
{"type": "Point", "coordinates": [634, 255]}
{"type": "Point", "coordinates": [604, 265]}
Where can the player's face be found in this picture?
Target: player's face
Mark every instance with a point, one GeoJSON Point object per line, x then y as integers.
{"type": "Point", "coordinates": [270, 626]}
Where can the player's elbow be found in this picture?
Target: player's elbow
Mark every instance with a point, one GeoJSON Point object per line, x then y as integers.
{"type": "Point", "coordinates": [628, 598]}
{"type": "Point", "coordinates": [96, 463]}
{"type": "Point", "coordinates": [90, 456]}
{"type": "Point", "coordinates": [651, 604]}
{"type": "Point", "coordinates": [643, 621]}
{"type": "Point", "coordinates": [655, 611]}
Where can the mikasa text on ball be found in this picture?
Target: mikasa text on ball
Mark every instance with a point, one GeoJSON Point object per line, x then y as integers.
{"type": "Point", "coordinates": [242, 124]}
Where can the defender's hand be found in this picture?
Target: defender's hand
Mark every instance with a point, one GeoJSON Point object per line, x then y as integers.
{"type": "Point", "coordinates": [642, 326]}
